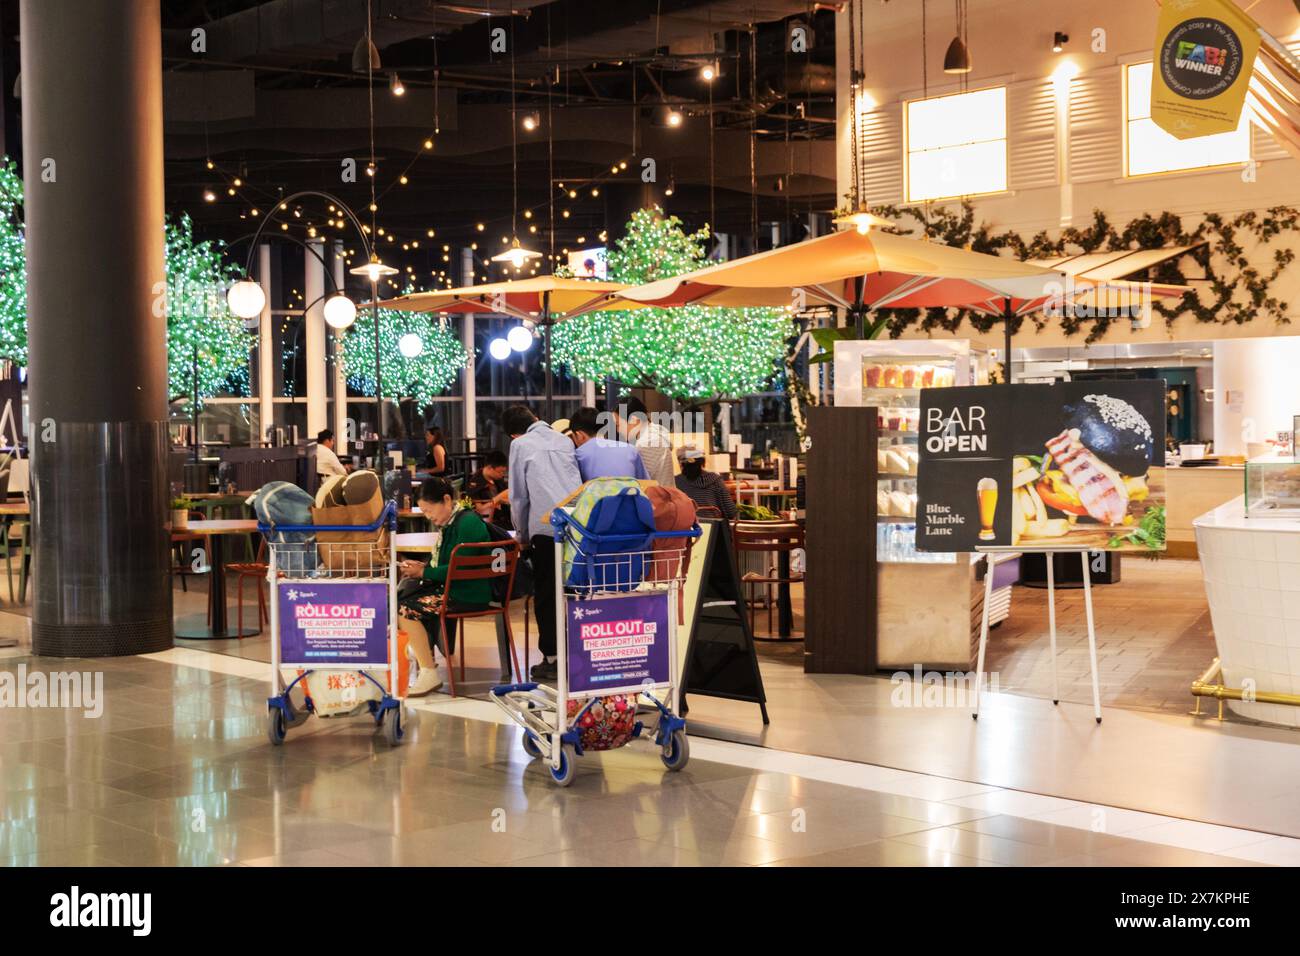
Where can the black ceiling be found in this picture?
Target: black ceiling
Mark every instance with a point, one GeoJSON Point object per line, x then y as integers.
{"type": "Point", "coordinates": [272, 100]}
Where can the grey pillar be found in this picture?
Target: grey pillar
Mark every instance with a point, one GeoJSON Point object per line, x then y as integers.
{"type": "Point", "coordinates": [93, 166]}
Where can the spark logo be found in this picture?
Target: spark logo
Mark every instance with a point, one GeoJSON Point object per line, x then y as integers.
{"type": "Point", "coordinates": [1201, 58]}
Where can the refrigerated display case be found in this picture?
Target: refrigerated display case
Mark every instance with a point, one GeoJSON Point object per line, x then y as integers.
{"type": "Point", "coordinates": [929, 605]}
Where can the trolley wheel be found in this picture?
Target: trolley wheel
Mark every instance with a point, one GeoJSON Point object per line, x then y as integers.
{"type": "Point", "coordinates": [275, 728]}
{"type": "Point", "coordinates": [530, 744]}
{"type": "Point", "coordinates": [568, 766]}
{"type": "Point", "coordinates": [297, 717]}
{"type": "Point", "coordinates": [677, 751]}
{"type": "Point", "coordinates": [394, 733]}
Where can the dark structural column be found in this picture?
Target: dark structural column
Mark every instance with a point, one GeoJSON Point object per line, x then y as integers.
{"type": "Point", "coordinates": [93, 170]}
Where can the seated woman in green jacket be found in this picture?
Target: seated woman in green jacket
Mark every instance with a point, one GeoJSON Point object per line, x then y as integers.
{"type": "Point", "coordinates": [420, 611]}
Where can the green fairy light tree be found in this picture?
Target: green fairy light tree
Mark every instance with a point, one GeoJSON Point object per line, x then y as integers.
{"type": "Point", "coordinates": [692, 352]}
{"type": "Point", "coordinates": [421, 378]}
{"type": "Point", "coordinates": [13, 261]}
{"type": "Point", "coordinates": [195, 300]}
{"type": "Point", "coordinates": [202, 333]}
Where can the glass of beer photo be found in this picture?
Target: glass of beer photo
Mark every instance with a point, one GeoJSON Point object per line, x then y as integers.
{"type": "Point", "coordinates": [987, 491]}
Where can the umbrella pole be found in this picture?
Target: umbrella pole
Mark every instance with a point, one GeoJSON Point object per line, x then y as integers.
{"type": "Point", "coordinates": [1007, 316]}
{"type": "Point", "coordinates": [860, 313]}
{"type": "Point", "coordinates": [195, 407]}
{"type": "Point", "coordinates": [546, 347]}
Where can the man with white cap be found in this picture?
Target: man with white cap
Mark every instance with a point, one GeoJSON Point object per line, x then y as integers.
{"type": "Point", "coordinates": [705, 488]}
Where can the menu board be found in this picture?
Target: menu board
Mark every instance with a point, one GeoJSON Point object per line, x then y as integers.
{"type": "Point", "coordinates": [1069, 466]}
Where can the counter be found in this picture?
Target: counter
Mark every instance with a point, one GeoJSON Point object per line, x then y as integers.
{"type": "Point", "coordinates": [1190, 492]}
{"type": "Point", "coordinates": [1252, 580]}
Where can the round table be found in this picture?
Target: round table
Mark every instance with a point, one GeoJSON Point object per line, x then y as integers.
{"type": "Point", "coordinates": [194, 626]}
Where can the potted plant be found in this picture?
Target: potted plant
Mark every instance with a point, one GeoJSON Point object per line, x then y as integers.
{"type": "Point", "coordinates": [181, 513]}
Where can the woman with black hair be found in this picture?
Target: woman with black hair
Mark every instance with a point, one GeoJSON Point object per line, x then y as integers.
{"type": "Point", "coordinates": [435, 459]}
{"type": "Point", "coordinates": [420, 612]}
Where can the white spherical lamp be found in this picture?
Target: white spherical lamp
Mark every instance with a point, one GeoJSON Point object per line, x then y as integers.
{"type": "Point", "coordinates": [519, 339]}
{"type": "Point", "coordinates": [246, 299]}
{"type": "Point", "coordinates": [410, 345]}
{"type": "Point", "coordinates": [340, 311]}
{"type": "Point", "coordinates": [499, 349]}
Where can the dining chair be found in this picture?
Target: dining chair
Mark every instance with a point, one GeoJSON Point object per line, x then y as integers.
{"type": "Point", "coordinates": [479, 561]}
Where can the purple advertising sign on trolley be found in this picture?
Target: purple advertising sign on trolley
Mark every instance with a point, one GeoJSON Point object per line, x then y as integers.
{"type": "Point", "coordinates": [332, 623]}
{"type": "Point", "coordinates": [617, 642]}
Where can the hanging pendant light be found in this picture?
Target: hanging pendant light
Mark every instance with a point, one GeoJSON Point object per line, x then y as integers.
{"type": "Point", "coordinates": [516, 255]}
{"type": "Point", "coordinates": [957, 59]}
{"type": "Point", "coordinates": [365, 56]}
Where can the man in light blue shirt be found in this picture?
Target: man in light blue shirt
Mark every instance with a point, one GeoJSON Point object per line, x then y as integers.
{"type": "Point", "coordinates": [543, 472]}
{"type": "Point", "coordinates": [599, 456]}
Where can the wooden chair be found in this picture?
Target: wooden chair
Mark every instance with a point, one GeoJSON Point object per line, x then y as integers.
{"type": "Point", "coordinates": [478, 561]}
{"type": "Point", "coordinates": [257, 570]}
{"type": "Point", "coordinates": [768, 537]}
{"type": "Point", "coordinates": [180, 539]}
{"type": "Point", "coordinates": [19, 532]}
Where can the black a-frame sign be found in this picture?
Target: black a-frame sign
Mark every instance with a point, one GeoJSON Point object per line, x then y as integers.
{"type": "Point", "coordinates": [720, 657]}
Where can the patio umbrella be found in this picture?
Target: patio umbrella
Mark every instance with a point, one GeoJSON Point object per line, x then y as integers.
{"type": "Point", "coordinates": [544, 300]}
{"type": "Point", "coordinates": [874, 270]}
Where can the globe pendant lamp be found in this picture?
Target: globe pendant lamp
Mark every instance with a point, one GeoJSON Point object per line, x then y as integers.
{"type": "Point", "coordinates": [246, 299]}
{"type": "Point", "coordinates": [340, 311]}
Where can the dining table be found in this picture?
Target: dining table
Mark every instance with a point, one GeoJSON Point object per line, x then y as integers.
{"type": "Point", "coordinates": [196, 626]}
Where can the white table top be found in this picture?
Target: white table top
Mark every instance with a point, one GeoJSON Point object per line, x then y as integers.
{"type": "Point", "coordinates": [417, 541]}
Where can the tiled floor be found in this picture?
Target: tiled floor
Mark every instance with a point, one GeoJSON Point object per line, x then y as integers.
{"type": "Point", "coordinates": [177, 771]}
{"type": "Point", "coordinates": [1153, 638]}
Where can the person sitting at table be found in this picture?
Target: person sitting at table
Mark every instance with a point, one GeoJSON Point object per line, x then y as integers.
{"type": "Point", "coordinates": [599, 456]}
{"type": "Point", "coordinates": [492, 477]}
{"type": "Point", "coordinates": [705, 488]}
{"type": "Point", "coordinates": [435, 459]}
{"type": "Point", "coordinates": [420, 612]}
{"type": "Point", "coordinates": [327, 462]}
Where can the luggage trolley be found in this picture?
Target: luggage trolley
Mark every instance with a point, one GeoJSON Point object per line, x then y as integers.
{"type": "Point", "coordinates": [616, 636]}
{"type": "Point", "coordinates": [340, 598]}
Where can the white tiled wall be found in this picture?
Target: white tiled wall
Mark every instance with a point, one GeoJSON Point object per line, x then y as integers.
{"type": "Point", "coordinates": [1252, 580]}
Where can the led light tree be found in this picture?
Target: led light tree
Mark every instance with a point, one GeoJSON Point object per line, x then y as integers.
{"type": "Point", "coordinates": [418, 359]}
{"type": "Point", "coordinates": [692, 352]}
{"type": "Point", "coordinates": [202, 334]}
{"type": "Point", "coordinates": [204, 338]}
{"type": "Point", "coordinates": [13, 261]}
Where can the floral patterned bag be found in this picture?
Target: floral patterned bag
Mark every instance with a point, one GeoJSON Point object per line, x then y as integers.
{"type": "Point", "coordinates": [608, 723]}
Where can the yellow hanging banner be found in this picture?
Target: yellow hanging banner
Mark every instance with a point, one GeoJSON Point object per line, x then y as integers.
{"type": "Point", "coordinates": [1205, 52]}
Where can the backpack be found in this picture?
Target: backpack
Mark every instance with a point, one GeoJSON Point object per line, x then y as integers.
{"type": "Point", "coordinates": [284, 503]}
{"type": "Point", "coordinates": [610, 528]}
{"type": "Point", "coordinates": [674, 511]}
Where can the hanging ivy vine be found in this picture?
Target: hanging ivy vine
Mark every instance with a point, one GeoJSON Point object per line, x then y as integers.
{"type": "Point", "coordinates": [1234, 288]}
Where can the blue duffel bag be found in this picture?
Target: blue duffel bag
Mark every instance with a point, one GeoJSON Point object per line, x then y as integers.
{"type": "Point", "coordinates": [282, 503]}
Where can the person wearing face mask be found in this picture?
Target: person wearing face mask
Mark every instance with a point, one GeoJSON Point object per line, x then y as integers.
{"type": "Point", "coordinates": [420, 611]}
{"type": "Point", "coordinates": [705, 488]}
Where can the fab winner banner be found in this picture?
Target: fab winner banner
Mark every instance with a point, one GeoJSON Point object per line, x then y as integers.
{"type": "Point", "coordinates": [1075, 465]}
{"type": "Point", "coordinates": [1204, 54]}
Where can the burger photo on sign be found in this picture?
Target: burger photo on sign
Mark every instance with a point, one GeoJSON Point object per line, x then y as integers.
{"type": "Point", "coordinates": [1091, 485]}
